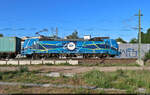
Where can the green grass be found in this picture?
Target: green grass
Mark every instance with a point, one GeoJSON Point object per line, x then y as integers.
{"type": "Point", "coordinates": [109, 65]}
{"type": "Point", "coordinates": [126, 80]}
{"type": "Point", "coordinates": [129, 80]}
{"type": "Point", "coordinates": [61, 64]}
{"type": "Point", "coordinates": [147, 56]}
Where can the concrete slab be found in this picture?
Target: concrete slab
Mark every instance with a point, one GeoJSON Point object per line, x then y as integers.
{"type": "Point", "coordinates": [48, 62]}
{"type": "Point", "coordinates": [14, 62]}
{"type": "Point", "coordinates": [60, 61]}
{"type": "Point", "coordinates": [68, 74]}
{"type": "Point", "coordinates": [24, 62]}
{"type": "Point", "coordinates": [36, 62]}
{"type": "Point", "coordinates": [53, 74]}
{"type": "Point", "coordinates": [2, 62]}
{"type": "Point", "coordinates": [73, 62]}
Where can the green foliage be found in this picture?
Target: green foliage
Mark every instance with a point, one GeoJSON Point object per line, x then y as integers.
{"type": "Point", "coordinates": [107, 65]}
{"type": "Point", "coordinates": [1, 35]}
{"type": "Point", "coordinates": [97, 78]}
{"type": "Point", "coordinates": [1, 75]}
{"type": "Point", "coordinates": [120, 40]}
{"type": "Point", "coordinates": [23, 69]}
{"type": "Point", "coordinates": [120, 79]}
{"type": "Point", "coordinates": [147, 56]}
{"type": "Point", "coordinates": [74, 35]}
{"type": "Point", "coordinates": [134, 40]}
{"type": "Point", "coordinates": [145, 37]}
{"type": "Point", "coordinates": [129, 80]}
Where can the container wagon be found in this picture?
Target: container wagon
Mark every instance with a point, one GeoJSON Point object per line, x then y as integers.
{"type": "Point", "coordinates": [9, 47]}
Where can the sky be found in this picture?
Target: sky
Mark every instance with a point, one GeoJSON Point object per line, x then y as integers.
{"type": "Point", "coordinates": [98, 18]}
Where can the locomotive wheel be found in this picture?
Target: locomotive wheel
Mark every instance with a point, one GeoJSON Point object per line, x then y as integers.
{"type": "Point", "coordinates": [111, 55]}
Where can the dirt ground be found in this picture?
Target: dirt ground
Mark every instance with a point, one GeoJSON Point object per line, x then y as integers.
{"type": "Point", "coordinates": [51, 90]}
{"type": "Point", "coordinates": [74, 69]}
{"type": "Point", "coordinates": [40, 90]}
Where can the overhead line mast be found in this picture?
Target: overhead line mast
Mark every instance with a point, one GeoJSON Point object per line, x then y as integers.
{"type": "Point", "coordinates": [139, 37]}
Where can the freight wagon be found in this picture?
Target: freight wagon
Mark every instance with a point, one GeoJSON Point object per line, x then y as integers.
{"type": "Point", "coordinates": [10, 47]}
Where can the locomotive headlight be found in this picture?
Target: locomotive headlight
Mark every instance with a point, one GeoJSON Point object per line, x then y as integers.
{"type": "Point", "coordinates": [71, 46]}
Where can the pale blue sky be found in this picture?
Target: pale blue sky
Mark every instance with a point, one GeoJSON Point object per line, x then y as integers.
{"type": "Point", "coordinates": [113, 18]}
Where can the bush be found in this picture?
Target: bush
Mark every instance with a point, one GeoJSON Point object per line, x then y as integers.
{"type": "Point", "coordinates": [147, 56]}
{"type": "Point", "coordinates": [1, 76]}
{"type": "Point", "coordinates": [23, 69]}
{"type": "Point", "coordinates": [7, 76]}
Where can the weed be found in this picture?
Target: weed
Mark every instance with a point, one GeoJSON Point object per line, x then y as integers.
{"type": "Point", "coordinates": [147, 56]}
{"type": "Point", "coordinates": [1, 74]}
{"type": "Point", "coordinates": [7, 76]}
{"type": "Point", "coordinates": [23, 69]}
{"type": "Point", "coordinates": [107, 64]}
{"type": "Point", "coordinates": [97, 78]}
{"type": "Point", "coordinates": [80, 91]}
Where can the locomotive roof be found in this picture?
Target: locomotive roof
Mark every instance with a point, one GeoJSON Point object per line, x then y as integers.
{"type": "Point", "coordinates": [70, 40]}
{"type": "Point", "coordinates": [80, 39]}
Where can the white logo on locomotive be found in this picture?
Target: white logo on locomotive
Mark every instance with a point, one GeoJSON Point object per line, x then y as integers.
{"type": "Point", "coordinates": [71, 46]}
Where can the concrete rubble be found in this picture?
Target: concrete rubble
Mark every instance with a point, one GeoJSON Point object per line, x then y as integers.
{"type": "Point", "coordinates": [57, 74]}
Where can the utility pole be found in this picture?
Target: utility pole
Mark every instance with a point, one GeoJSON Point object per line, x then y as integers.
{"type": "Point", "coordinates": [139, 37]}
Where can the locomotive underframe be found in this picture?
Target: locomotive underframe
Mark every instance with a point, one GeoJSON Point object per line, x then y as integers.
{"type": "Point", "coordinates": [70, 55]}
{"type": "Point", "coordinates": [8, 55]}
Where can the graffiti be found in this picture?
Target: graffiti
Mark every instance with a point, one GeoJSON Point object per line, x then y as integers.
{"type": "Point", "coordinates": [128, 52]}
{"type": "Point", "coordinates": [131, 50]}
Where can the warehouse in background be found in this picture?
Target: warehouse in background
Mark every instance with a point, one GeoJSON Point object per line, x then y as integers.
{"type": "Point", "coordinates": [131, 50]}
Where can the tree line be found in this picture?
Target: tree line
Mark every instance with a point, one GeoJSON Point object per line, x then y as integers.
{"type": "Point", "coordinates": [145, 38]}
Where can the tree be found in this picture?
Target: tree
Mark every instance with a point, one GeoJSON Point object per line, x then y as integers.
{"type": "Point", "coordinates": [120, 40]}
{"type": "Point", "coordinates": [1, 35]}
{"type": "Point", "coordinates": [145, 37]}
{"type": "Point", "coordinates": [133, 40]}
{"type": "Point", "coordinates": [74, 35]}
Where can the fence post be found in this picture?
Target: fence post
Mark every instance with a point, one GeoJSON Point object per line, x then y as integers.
{"type": "Point", "coordinates": [30, 62]}
{"type": "Point", "coordinates": [18, 62]}
{"type": "Point", "coordinates": [42, 61]}
{"type": "Point", "coordinates": [54, 61]}
{"type": "Point", "coordinates": [6, 62]}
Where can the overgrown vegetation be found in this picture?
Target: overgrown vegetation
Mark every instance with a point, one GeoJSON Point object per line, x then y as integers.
{"type": "Point", "coordinates": [1, 35]}
{"type": "Point", "coordinates": [129, 80]}
{"type": "Point", "coordinates": [126, 80]}
{"type": "Point", "coordinates": [109, 65]}
{"type": "Point", "coordinates": [133, 41]}
{"type": "Point", "coordinates": [147, 56]}
{"type": "Point", "coordinates": [120, 40]}
{"type": "Point", "coordinates": [144, 38]}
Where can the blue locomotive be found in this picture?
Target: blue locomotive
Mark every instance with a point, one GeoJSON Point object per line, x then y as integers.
{"type": "Point", "coordinates": [70, 48]}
